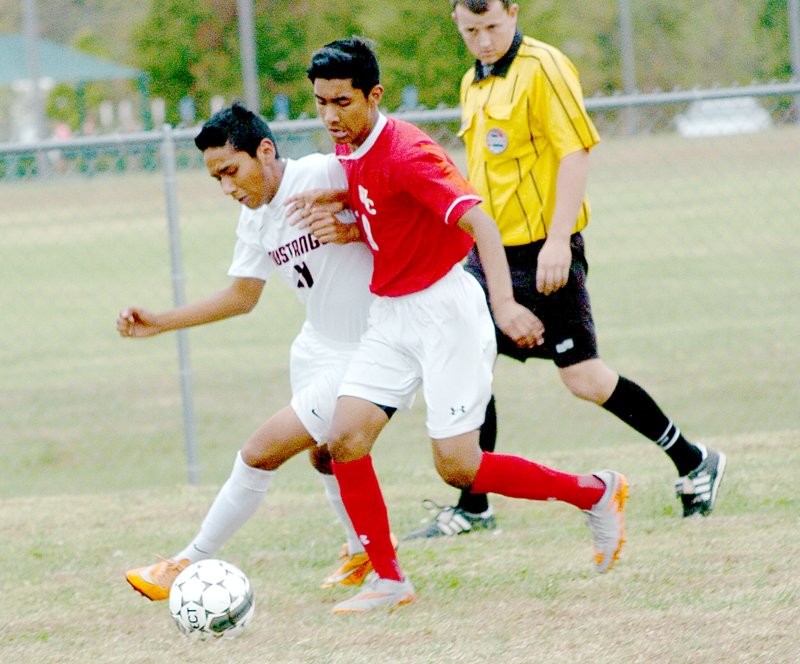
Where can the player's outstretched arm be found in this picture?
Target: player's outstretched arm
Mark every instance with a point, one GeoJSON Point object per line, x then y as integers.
{"type": "Point", "coordinates": [516, 321]}
{"type": "Point", "coordinates": [239, 298]}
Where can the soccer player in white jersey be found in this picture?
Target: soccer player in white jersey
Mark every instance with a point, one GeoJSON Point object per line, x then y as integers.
{"type": "Point", "coordinates": [331, 279]}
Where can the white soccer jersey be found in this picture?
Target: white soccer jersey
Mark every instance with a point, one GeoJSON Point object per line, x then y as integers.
{"type": "Point", "coordinates": [331, 280]}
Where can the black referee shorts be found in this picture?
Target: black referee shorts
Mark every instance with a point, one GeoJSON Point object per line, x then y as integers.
{"type": "Point", "coordinates": [569, 334]}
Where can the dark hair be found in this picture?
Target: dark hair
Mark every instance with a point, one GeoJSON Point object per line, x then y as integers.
{"type": "Point", "coordinates": [237, 125]}
{"type": "Point", "coordinates": [352, 58]}
{"type": "Point", "coordinates": [479, 6]}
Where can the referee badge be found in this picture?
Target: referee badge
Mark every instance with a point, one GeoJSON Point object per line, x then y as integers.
{"type": "Point", "coordinates": [496, 141]}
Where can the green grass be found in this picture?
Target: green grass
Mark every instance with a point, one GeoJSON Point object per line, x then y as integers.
{"type": "Point", "coordinates": [723, 589]}
{"type": "Point", "coordinates": [693, 253]}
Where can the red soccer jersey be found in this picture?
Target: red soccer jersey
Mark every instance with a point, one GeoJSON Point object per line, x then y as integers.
{"type": "Point", "coordinates": [408, 197]}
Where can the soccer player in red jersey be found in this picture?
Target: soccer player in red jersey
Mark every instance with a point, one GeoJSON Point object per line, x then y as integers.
{"type": "Point", "coordinates": [429, 325]}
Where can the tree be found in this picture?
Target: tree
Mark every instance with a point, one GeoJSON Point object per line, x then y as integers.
{"type": "Point", "coordinates": [418, 45]}
{"type": "Point", "coordinates": [323, 22]}
{"type": "Point", "coordinates": [281, 44]}
{"type": "Point", "coordinates": [190, 48]}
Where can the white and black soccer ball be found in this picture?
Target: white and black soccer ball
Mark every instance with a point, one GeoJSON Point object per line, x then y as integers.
{"type": "Point", "coordinates": [211, 598]}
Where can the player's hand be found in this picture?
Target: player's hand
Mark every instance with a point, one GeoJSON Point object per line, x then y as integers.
{"type": "Point", "coordinates": [519, 324]}
{"type": "Point", "coordinates": [136, 322]}
{"type": "Point", "coordinates": [329, 230]}
{"type": "Point", "coordinates": [300, 206]}
{"type": "Point", "coordinates": [552, 268]}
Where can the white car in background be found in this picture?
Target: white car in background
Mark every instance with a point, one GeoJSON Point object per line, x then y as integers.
{"type": "Point", "coordinates": [721, 117]}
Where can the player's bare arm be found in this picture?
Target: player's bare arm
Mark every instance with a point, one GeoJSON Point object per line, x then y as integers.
{"type": "Point", "coordinates": [552, 270]}
{"type": "Point", "coordinates": [516, 321]}
{"type": "Point", "coordinates": [239, 298]}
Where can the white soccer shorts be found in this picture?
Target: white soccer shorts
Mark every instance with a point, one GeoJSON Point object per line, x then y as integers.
{"type": "Point", "coordinates": [317, 366]}
{"type": "Point", "coordinates": [442, 339]}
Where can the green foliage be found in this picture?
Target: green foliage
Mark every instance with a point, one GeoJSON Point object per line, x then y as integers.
{"type": "Point", "coordinates": [191, 47]}
{"type": "Point", "coordinates": [287, 33]}
{"type": "Point", "coordinates": [773, 16]}
{"type": "Point", "coordinates": [336, 19]}
{"type": "Point", "coordinates": [591, 43]}
{"type": "Point", "coordinates": [418, 45]}
{"type": "Point", "coordinates": [280, 39]}
{"type": "Point", "coordinates": [773, 36]}
{"type": "Point", "coordinates": [63, 105]}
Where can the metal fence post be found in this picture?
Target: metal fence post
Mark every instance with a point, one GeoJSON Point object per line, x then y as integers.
{"type": "Point", "coordinates": [630, 115]}
{"type": "Point", "coordinates": [793, 8]}
{"type": "Point", "coordinates": [247, 49]}
{"type": "Point", "coordinates": [168, 164]}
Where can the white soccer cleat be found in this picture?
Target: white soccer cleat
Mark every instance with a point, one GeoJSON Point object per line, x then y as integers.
{"type": "Point", "coordinates": [607, 520]}
{"type": "Point", "coordinates": [378, 593]}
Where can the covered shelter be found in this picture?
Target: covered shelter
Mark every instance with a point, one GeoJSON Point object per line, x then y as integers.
{"type": "Point", "coordinates": [60, 64]}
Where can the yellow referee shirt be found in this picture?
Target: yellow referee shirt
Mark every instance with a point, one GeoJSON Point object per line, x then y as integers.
{"type": "Point", "coordinates": [520, 116]}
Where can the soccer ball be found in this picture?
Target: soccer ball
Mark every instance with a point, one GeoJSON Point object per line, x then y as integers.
{"type": "Point", "coordinates": [211, 598]}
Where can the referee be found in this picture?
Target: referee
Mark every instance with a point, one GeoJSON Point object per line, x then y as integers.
{"type": "Point", "coordinates": [528, 137]}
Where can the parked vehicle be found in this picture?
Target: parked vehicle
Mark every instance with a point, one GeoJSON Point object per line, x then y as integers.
{"type": "Point", "coordinates": [720, 117]}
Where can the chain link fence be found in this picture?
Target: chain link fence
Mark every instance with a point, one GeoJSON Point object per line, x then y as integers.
{"type": "Point", "coordinates": [694, 273]}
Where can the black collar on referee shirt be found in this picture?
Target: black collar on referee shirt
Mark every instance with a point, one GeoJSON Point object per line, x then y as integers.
{"type": "Point", "coordinates": [501, 67]}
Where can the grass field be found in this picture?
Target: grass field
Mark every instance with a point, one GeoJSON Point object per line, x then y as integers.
{"type": "Point", "coordinates": [693, 252]}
